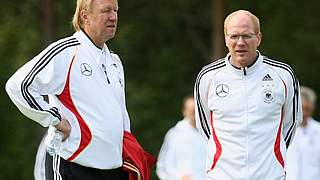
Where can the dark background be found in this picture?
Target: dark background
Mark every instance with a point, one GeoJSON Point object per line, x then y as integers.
{"type": "Point", "coordinates": [162, 44]}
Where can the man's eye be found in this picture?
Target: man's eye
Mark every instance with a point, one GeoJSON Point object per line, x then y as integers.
{"type": "Point", "coordinates": [246, 36]}
{"type": "Point", "coordinates": [106, 11]}
{"type": "Point", "coordinates": [234, 36]}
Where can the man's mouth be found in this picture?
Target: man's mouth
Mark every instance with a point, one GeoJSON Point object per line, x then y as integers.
{"type": "Point", "coordinates": [111, 26]}
{"type": "Point", "coordinates": [241, 51]}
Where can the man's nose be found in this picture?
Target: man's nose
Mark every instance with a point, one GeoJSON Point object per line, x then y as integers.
{"type": "Point", "coordinates": [240, 40]}
{"type": "Point", "coordinates": [113, 15]}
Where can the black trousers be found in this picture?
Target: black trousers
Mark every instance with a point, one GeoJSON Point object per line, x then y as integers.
{"type": "Point", "coordinates": [59, 169]}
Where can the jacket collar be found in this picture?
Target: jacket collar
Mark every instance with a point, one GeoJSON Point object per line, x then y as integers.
{"type": "Point", "coordinates": [88, 41]}
{"type": "Point", "coordinates": [246, 70]}
{"type": "Point", "coordinates": [82, 36]}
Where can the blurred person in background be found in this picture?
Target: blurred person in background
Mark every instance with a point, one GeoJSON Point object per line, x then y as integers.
{"type": "Point", "coordinates": [303, 156]}
{"type": "Point", "coordinates": [88, 81]}
{"type": "Point", "coordinates": [182, 155]}
{"type": "Point", "coordinates": [247, 106]}
{"type": "Point", "coordinates": [39, 170]}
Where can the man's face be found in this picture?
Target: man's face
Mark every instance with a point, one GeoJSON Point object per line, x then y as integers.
{"type": "Point", "coordinates": [188, 109]}
{"type": "Point", "coordinates": [103, 18]}
{"type": "Point", "coordinates": [307, 109]}
{"type": "Point", "coordinates": [242, 40]}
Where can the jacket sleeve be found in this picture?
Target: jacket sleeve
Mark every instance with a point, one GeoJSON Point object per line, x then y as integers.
{"type": "Point", "coordinates": [292, 108]}
{"type": "Point", "coordinates": [202, 112]}
{"type": "Point", "coordinates": [43, 75]}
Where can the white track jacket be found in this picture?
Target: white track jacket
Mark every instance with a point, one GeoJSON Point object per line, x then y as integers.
{"type": "Point", "coordinates": [90, 97]}
{"type": "Point", "coordinates": [249, 117]}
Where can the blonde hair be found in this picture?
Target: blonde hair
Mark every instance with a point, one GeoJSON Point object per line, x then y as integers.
{"type": "Point", "coordinates": [77, 20]}
{"type": "Point", "coordinates": [253, 18]}
{"type": "Point", "coordinates": [307, 94]}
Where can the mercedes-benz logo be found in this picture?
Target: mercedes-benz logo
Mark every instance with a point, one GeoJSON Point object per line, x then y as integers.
{"type": "Point", "coordinates": [86, 69]}
{"type": "Point", "coordinates": [222, 90]}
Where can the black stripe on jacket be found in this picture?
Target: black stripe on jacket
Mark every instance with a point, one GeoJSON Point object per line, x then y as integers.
{"type": "Point", "coordinates": [40, 65]}
{"type": "Point", "coordinates": [203, 121]}
{"type": "Point", "coordinates": [295, 103]}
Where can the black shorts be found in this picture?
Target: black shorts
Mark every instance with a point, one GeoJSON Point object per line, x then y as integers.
{"type": "Point", "coordinates": [59, 169]}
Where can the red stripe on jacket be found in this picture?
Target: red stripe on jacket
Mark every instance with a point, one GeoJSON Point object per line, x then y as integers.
{"type": "Point", "coordinates": [66, 99]}
{"type": "Point", "coordinates": [217, 143]}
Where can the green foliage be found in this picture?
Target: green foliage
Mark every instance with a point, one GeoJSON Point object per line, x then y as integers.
{"type": "Point", "coordinates": [161, 62]}
{"type": "Point", "coordinates": [163, 45]}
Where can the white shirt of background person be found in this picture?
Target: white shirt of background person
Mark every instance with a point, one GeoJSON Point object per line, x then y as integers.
{"type": "Point", "coordinates": [183, 153]}
{"type": "Point", "coordinates": [303, 156]}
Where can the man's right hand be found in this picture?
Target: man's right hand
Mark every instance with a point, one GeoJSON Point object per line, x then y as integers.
{"type": "Point", "coordinates": [64, 127]}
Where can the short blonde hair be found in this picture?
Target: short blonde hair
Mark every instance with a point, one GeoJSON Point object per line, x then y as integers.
{"type": "Point", "coordinates": [77, 20]}
{"type": "Point", "coordinates": [254, 19]}
{"type": "Point", "coordinates": [307, 94]}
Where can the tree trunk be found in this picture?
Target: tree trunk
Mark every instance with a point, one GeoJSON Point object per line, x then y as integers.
{"type": "Point", "coordinates": [219, 8]}
{"type": "Point", "coordinates": [47, 22]}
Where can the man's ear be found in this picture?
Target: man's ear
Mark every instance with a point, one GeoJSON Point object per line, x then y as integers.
{"type": "Point", "coordinates": [84, 17]}
{"type": "Point", "coordinates": [259, 39]}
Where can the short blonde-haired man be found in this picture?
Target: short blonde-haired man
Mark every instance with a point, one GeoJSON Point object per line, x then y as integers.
{"type": "Point", "coordinates": [247, 107]}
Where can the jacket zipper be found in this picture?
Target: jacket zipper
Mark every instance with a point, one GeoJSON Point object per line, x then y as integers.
{"type": "Point", "coordinates": [105, 72]}
{"type": "Point", "coordinates": [246, 117]}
